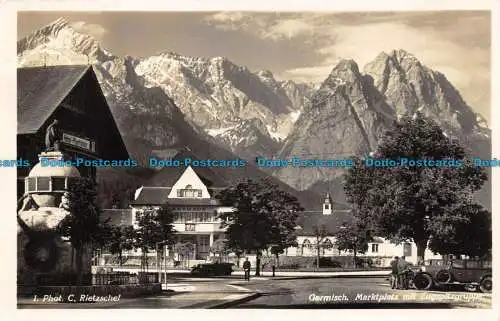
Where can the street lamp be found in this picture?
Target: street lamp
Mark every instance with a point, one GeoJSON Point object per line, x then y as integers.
{"type": "Point", "coordinates": [158, 263]}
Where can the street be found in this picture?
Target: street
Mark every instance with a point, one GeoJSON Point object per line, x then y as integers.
{"type": "Point", "coordinates": [285, 293]}
{"type": "Point", "coordinates": [373, 292]}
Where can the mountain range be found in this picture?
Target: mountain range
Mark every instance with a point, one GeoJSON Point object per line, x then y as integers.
{"type": "Point", "coordinates": [216, 108]}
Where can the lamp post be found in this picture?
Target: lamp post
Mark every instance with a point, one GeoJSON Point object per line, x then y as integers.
{"type": "Point", "coordinates": [158, 261]}
{"type": "Point", "coordinates": [165, 263]}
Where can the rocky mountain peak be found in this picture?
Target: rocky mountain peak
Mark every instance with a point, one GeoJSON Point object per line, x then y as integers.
{"type": "Point", "coordinates": [57, 24]}
{"type": "Point", "coordinates": [265, 74]}
{"type": "Point", "coordinates": [346, 71]}
{"type": "Point", "coordinates": [61, 36]}
{"type": "Point", "coordinates": [401, 54]}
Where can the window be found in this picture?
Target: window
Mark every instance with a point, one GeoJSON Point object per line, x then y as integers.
{"type": "Point", "coordinates": [487, 264]}
{"type": "Point", "coordinates": [305, 245]}
{"type": "Point", "coordinates": [374, 248]}
{"type": "Point", "coordinates": [58, 183]}
{"type": "Point", "coordinates": [43, 184]}
{"type": "Point", "coordinates": [327, 206]}
{"type": "Point", "coordinates": [474, 265]}
{"type": "Point", "coordinates": [188, 191]}
{"type": "Point", "coordinates": [457, 264]}
{"type": "Point", "coordinates": [190, 227]}
{"type": "Point", "coordinates": [31, 184]}
{"type": "Point", "coordinates": [407, 249]}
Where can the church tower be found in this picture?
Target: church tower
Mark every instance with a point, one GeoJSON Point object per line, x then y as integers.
{"type": "Point", "coordinates": [327, 205]}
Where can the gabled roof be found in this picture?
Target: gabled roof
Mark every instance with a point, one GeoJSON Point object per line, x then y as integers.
{"type": "Point", "coordinates": [309, 220]}
{"type": "Point", "coordinates": [40, 90]}
{"type": "Point", "coordinates": [150, 195]}
{"type": "Point", "coordinates": [168, 176]}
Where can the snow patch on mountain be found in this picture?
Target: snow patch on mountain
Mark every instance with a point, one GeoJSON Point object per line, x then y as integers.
{"type": "Point", "coordinates": [219, 131]}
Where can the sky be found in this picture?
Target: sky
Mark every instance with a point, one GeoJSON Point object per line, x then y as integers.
{"type": "Point", "coordinates": [300, 46]}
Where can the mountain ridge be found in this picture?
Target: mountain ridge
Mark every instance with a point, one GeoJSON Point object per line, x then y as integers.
{"type": "Point", "coordinates": [251, 113]}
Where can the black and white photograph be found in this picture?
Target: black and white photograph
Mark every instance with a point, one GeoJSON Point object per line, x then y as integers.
{"type": "Point", "coordinates": [254, 159]}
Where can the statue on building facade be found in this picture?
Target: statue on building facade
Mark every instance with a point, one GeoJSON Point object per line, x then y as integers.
{"type": "Point", "coordinates": [52, 137]}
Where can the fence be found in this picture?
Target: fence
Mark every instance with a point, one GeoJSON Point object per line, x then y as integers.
{"type": "Point", "coordinates": [62, 279]}
{"type": "Point", "coordinates": [124, 278]}
{"type": "Point", "coordinates": [114, 278]}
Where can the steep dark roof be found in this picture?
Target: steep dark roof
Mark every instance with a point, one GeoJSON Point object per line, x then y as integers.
{"type": "Point", "coordinates": [159, 196]}
{"type": "Point", "coordinates": [309, 220]}
{"type": "Point", "coordinates": [152, 196]}
{"type": "Point", "coordinates": [40, 90]}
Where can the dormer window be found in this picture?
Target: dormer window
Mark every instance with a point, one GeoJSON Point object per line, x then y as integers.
{"type": "Point", "coordinates": [189, 192]}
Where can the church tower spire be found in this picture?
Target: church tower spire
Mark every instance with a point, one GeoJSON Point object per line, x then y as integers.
{"type": "Point", "coordinates": [327, 205]}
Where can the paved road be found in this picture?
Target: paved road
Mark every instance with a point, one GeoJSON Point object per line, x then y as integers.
{"type": "Point", "coordinates": [322, 293]}
{"type": "Point", "coordinates": [189, 294]}
{"type": "Point", "coordinates": [356, 293]}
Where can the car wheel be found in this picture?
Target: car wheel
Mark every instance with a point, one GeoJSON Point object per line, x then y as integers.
{"type": "Point", "coordinates": [443, 276]}
{"type": "Point", "coordinates": [422, 281]}
{"type": "Point", "coordinates": [486, 285]}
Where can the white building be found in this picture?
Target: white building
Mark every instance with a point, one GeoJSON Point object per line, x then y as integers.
{"type": "Point", "coordinates": [196, 210]}
{"type": "Point", "coordinates": [193, 206]}
{"type": "Point", "coordinates": [332, 216]}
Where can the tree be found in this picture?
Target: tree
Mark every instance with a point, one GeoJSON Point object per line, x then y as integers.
{"type": "Point", "coordinates": [82, 225]}
{"type": "Point", "coordinates": [184, 250]}
{"type": "Point", "coordinates": [119, 239]}
{"type": "Point", "coordinates": [320, 233]}
{"type": "Point", "coordinates": [400, 201]}
{"type": "Point", "coordinates": [154, 226]}
{"type": "Point", "coordinates": [468, 231]}
{"type": "Point", "coordinates": [276, 250]}
{"type": "Point", "coordinates": [220, 248]}
{"type": "Point", "coordinates": [353, 237]}
{"type": "Point", "coordinates": [264, 215]}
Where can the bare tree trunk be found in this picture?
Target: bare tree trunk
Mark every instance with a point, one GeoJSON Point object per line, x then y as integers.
{"type": "Point", "coordinates": [317, 252]}
{"type": "Point", "coordinates": [421, 246]}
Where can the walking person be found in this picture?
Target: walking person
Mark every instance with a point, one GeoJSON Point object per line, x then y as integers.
{"type": "Point", "coordinates": [246, 268]}
{"type": "Point", "coordinates": [394, 273]}
{"type": "Point", "coordinates": [402, 273]}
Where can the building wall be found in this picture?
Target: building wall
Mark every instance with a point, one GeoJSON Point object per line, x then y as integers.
{"type": "Point", "coordinates": [382, 252]}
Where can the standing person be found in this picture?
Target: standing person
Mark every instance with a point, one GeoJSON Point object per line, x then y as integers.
{"type": "Point", "coordinates": [402, 272]}
{"type": "Point", "coordinates": [246, 268]}
{"type": "Point", "coordinates": [394, 272]}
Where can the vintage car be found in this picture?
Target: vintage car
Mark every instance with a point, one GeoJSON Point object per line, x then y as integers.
{"type": "Point", "coordinates": [467, 273]}
{"type": "Point", "coordinates": [212, 269]}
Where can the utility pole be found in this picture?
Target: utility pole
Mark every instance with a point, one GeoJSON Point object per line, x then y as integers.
{"type": "Point", "coordinates": [165, 263]}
